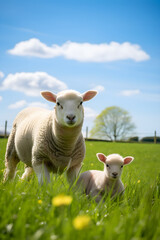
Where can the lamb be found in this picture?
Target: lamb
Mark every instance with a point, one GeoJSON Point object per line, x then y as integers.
{"type": "Point", "coordinates": [98, 183]}
{"type": "Point", "coordinates": [49, 140]}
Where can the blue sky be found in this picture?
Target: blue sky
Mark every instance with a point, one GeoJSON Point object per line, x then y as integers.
{"type": "Point", "coordinates": [112, 46]}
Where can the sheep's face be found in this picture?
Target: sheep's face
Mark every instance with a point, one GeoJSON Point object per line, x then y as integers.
{"type": "Point", "coordinates": [69, 110]}
{"type": "Point", "coordinates": [113, 164]}
{"type": "Point", "coordinates": [69, 106]}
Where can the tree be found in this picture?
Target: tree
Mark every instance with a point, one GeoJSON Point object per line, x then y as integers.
{"type": "Point", "coordinates": [113, 123]}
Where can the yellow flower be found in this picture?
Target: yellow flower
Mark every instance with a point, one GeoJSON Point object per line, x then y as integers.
{"type": "Point", "coordinates": [39, 201]}
{"type": "Point", "coordinates": [61, 199]}
{"type": "Point", "coordinates": [92, 164]}
{"type": "Point", "coordinates": [81, 222]}
{"type": "Point", "coordinates": [138, 181]}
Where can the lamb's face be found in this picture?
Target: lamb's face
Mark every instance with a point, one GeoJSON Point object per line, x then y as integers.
{"type": "Point", "coordinates": [69, 110]}
{"type": "Point", "coordinates": [113, 164]}
{"type": "Point", "coordinates": [113, 170]}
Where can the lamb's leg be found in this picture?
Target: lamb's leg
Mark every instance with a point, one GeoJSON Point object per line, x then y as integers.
{"type": "Point", "coordinates": [27, 173]}
{"type": "Point", "coordinates": [11, 158]}
{"type": "Point", "coordinates": [72, 173]}
{"type": "Point", "coordinates": [42, 173]}
{"type": "Point", "coordinates": [97, 195]}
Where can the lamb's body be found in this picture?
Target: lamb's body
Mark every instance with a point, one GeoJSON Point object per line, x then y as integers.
{"type": "Point", "coordinates": [98, 183]}
{"type": "Point", "coordinates": [43, 143]}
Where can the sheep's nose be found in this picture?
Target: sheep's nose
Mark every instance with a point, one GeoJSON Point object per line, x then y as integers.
{"type": "Point", "coordinates": [71, 117]}
{"type": "Point", "coordinates": [114, 174]}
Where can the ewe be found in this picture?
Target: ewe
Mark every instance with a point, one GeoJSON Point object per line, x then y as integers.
{"type": "Point", "coordinates": [97, 183]}
{"type": "Point", "coordinates": [49, 141]}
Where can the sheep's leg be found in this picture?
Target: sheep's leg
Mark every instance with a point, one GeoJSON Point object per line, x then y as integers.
{"type": "Point", "coordinates": [11, 165]}
{"type": "Point", "coordinates": [72, 173]}
{"type": "Point", "coordinates": [42, 173]}
{"type": "Point", "coordinates": [11, 158]}
{"type": "Point", "coordinates": [27, 173]}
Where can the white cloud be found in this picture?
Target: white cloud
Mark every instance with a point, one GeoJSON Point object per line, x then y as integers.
{"type": "Point", "coordinates": [23, 103]}
{"type": "Point", "coordinates": [18, 104]}
{"type": "Point", "coordinates": [129, 93]}
{"type": "Point", "coordinates": [0, 98]}
{"type": "Point", "coordinates": [32, 83]}
{"type": "Point", "coordinates": [34, 48]}
{"type": "Point", "coordinates": [83, 52]}
{"type": "Point", "coordinates": [1, 75]}
{"type": "Point", "coordinates": [150, 97]}
{"type": "Point", "coordinates": [99, 88]}
{"type": "Point", "coordinates": [89, 113]}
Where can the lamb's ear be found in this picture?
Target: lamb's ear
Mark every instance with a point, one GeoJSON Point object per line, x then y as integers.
{"type": "Point", "coordinates": [128, 160]}
{"type": "Point", "coordinates": [88, 95]}
{"type": "Point", "coordinates": [101, 157]}
{"type": "Point", "coordinates": [49, 96]}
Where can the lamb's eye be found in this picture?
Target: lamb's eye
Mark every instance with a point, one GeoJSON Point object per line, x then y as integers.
{"type": "Point", "coordinates": [81, 103]}
{"type": "Point", "coordinates": [107, 165]}
{"type": "Point", "coordinates": [122, 166]}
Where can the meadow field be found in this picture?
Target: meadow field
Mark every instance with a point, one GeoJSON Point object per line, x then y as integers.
{"type": "Point", "coordinates": [49, 212]}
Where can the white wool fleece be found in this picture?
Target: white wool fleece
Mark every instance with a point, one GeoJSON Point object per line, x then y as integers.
{"type": "Point", "coordinates": [49, 141]}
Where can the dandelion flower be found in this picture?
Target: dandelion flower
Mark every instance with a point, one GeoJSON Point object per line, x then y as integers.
{"type": "Point", "coordinates": [39, 201]}
{"type": "Point", "coordinates": [138, 181]}
{"type": "Point", "coordinates": [92, 164]}
{"type": "Point", "coordinates": [61, 199]}
{"type": "Point", "coordinates": [81, 222]}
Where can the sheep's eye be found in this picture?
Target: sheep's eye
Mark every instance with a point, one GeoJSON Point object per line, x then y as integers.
{"type": "Point", "coordinates": [107, 165]}
{"type": "Point", "coordinates": [122, 166]}
{"type": "Point", "coordinates": [58, 104]}
{"type": "Point", "coordinates": [80, 104]}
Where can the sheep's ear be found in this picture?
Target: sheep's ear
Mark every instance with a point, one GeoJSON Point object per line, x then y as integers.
{"type": "Point", "coordinates": [88, 95]}
{"type": "Point", "coordinates": [101, 157]}
{"type": "Point", "coordinates": [128, 160]}
{"type": "Point", "coordinates": [49, 96]}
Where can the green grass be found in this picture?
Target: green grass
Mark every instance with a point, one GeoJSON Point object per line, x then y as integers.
{"type": "Point", "coordinates": [135, 217]}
